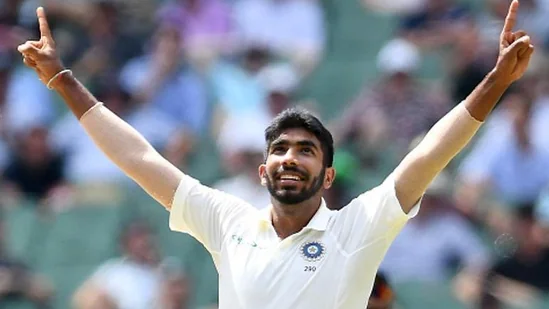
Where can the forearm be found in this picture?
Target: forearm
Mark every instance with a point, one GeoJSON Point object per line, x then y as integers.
{"type": "Point", "coordinates": [454, 131]}
{"type": "Point", "coordinates": [121, 143]}
{"type": "Point", "coordinates": [445, 140]}
{"type": "Point", "coordinates": [485, 96]}
{"type": "Point", "coordinates": [77, 98]}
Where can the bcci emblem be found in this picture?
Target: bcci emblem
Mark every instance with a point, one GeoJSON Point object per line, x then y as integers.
{"type": "Point", "coordinates": [313, 251]}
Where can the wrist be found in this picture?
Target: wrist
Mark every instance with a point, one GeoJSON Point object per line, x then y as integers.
{"type": "Point", "coordinates": [58, 79]}
{"type": "Point", "coordinates": [498, 78]}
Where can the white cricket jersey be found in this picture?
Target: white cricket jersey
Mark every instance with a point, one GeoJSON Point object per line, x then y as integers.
{"type": "Point", "coordinates": [330, 264]}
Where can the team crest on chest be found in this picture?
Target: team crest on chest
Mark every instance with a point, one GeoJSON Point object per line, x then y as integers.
{"type": "Point", "coordinates": [313, 251]}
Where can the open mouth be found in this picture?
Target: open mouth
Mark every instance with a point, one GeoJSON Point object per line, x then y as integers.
{"type": "Point", "coordinates": [290, 178]}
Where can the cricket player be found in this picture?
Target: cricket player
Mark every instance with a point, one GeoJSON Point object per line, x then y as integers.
{"type": "Point", "coordinates": [297, 254]}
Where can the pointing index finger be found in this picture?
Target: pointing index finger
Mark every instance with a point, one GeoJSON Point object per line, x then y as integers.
{"type": "Point", "coordinates": [511, 17]}
{"type": "Point", "coordinates": [43, 23]}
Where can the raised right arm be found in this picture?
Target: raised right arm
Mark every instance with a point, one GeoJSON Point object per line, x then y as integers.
{"type": "Point", "coordinates": [120, 142]}
{"type": "Point", "coordinates": [117, 139]}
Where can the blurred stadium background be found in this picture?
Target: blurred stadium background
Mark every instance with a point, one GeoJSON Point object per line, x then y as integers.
{"type": "Point", "coordinates": [201, 78]}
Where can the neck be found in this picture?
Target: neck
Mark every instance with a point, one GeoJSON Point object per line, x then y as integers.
{"type": "Point", "coordinates": [290, 219]}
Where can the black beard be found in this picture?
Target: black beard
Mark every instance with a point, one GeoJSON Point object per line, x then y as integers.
{"type": "Point", "coordinates": [291, 198]}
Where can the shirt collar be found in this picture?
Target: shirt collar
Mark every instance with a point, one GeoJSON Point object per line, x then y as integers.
{"type": "Point", "coordinates": [318, 222]}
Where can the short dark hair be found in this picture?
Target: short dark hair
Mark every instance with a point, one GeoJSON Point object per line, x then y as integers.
{"type": "Point", "coordinates": [299, 118]}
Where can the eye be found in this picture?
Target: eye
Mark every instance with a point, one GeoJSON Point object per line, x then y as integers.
{"type": "Point", "coordinates": [278, 149]}
{"type": "Point", "coordinates": [307, 150]}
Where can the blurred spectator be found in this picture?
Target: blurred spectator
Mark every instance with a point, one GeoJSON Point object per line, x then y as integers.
{"type": "Point", "coordinates": [438, 24]}
{"type": "Point", "coordinates": [348, 173]}
{"type": "Point", "coordinates": [490, 21]}
{"type": "Point", "coordinates": [520, 275]}
{"type": "Point", "coordinates": [280, 81]}
{"type": "Point", "coordinates": [107, 46]}
{"type": "Point", "coordinates": [85, 164]}
{"type": "Point", "coordinates": [137, 17]}
{"type": "Point", "coordinates": [293, 29]}
{"type": "Point", "coordinates": [25, 100]}
{"type": "Point", "coordinates": [205, 26]}
{"type": "Point", "coordinates": [3, 154]}
{"type": "Point", "coordinates": [132, 281]}
{"type": "Point", "coordinates": [382, 296]}
{"type": "Point", "coordinates": [175, 290]}
{"type": "Point", "coordinates": [438, 243]}
{"type": "Point", "coordinates": [19, 283]}
{"type": "Point", "coordinates": [9, 13]}
{"type": "Point", "coordinates": [236, 88]}
{"type": "Point", "coordinates": [69, 20]}
{"type": "Point", "coordinates": [542, 214]}
{"type": "Point", "coordinates": [531, 18]}
{"type": "Point", "coordinates": [512, 169]}
{"type": "Point", "coordinates": [471, 59]}
{"type": "Point", "coordinates": [242, 145]}
{"type": "Point", "coordinates": [242, 148]}
{"type": "Point", "coordinates": [395, 109]}
{"type": "Point", "coordinates": [35, 170]}
{"type": "Point", "coordinates": [399, 7]}
{"type": "Point", "coordinates": [162, 81]}
{"type": "Point", "coordinates": [12, 30]}
{"type": "Point", "coordinates": [156, 64]}
{"type": "Point", "coordinates": [4, 151]}
{"type": "Point", "coordinates": [28, 103]}
{"type": "Point", "coordinates": [76, 11]}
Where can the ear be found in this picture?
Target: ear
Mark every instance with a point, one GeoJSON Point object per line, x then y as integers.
{"type": "Point", "coordinates": [329, 177]}
{"type": "Point", "coordinates": [262, 170]}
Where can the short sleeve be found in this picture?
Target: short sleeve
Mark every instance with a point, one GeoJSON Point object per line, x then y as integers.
{"type": "Point", "coordinates": [205, 213]}
{"type": "Point", "coordinates": [373, 216]}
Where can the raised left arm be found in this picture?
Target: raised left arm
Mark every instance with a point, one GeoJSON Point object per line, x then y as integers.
{"type": "Point", "coordinates": [452, 133]}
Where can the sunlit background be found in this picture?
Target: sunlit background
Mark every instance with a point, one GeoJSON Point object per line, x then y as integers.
{"type": "Point", "coordinates": [200, 79]}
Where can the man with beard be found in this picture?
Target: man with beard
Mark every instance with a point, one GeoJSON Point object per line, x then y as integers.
{"type": "Point", "coordinates": [297, 253]}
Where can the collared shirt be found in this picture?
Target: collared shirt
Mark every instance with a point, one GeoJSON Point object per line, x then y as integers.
{"type": "Point", "coordinates": [331, 263]}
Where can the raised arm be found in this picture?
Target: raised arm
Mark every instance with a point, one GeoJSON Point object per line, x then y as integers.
{"type": "Point", "coordinates": [118, 140]}
{"type": "Point", "coordinates": [452, 133]}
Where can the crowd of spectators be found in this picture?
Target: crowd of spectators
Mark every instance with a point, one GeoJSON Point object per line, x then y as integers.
{"type": "Point", "coordinates": [185, 71]}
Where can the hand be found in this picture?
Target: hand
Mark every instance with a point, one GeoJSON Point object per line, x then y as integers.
{"type": "Point", "coordinates": [515, 49]}
{"type": "Point", "coordinates": [41, 55]}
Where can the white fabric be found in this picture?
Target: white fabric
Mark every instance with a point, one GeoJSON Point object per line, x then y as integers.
{"type": "Point", "coordinates": [234, 137]}
{"type": "Point", "coordinates": [129, 285]}
{"type": "Point", "coordinates": [395, 6]}
{"type": "Point", "coordinates": [398, 55]}
{"type": "Point", "coordinates": [86, 163]}
{"type": "Point", "coordinates": [439, 146]}
{"type": "Point", "coordinates": [132, 153]}
{"type": "Point", "coordinates": [247, 188]}
{"type": "Point", "coordinates": [279, 77]}
{"type": "Point", "coordinates": [281, 25]}
{"type": "Point", "coordinates": [259, 271]}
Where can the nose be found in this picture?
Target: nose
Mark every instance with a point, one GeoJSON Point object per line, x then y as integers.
{"type": "Point", "coordinates": [290, 158]}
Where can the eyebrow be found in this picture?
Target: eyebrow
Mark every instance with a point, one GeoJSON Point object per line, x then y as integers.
{"type": "Point", "coordinates": [306, 142]}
